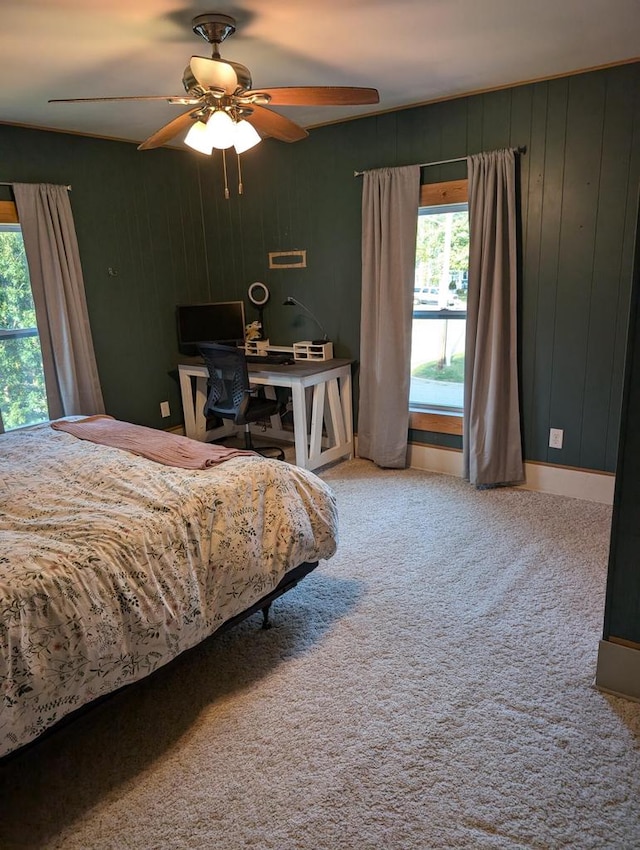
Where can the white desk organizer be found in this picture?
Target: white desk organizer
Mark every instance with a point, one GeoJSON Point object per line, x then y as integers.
{"type": "Point", "coordinates": [256, 346]}
{"type": "Point", "coordinates": [262, 347]}
{"type": "Point", "coordinates": [308, 351]}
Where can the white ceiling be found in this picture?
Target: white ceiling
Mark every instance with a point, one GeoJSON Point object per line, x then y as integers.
{"type": "Point", "coordinates": [412, 51]}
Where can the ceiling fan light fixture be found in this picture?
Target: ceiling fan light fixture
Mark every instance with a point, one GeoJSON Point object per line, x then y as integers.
{"type": "Point", "coordinates": [224, 90]}
{"type": "Point", "coordinates": [245, 137]}
{"type": "Point", "coordinates": [221, 130]}
{"type": "Point", "coordinates": [198, 138]}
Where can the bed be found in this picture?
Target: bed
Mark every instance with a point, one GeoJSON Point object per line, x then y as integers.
{"type": "Point", "coordinates": [112, 564]}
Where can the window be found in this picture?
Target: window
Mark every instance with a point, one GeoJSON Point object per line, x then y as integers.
{"type": "Point", "coordinates": [440, 299]}
{"type": "Point", "coordinates": [22, 391]}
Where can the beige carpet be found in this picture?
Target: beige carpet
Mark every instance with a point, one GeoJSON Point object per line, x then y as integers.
{"type": "Point", "coordinates": [429, 687]}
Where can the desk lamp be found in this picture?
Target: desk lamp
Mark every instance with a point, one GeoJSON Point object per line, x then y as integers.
{"type": "Point", "coordinates": [289, 301]}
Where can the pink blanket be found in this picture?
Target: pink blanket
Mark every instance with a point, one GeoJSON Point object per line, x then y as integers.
{"type": "Point", "coordinates": [163, 447]}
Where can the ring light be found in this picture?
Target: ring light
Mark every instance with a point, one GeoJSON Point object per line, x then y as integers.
{"type": "Point", "coordinates": [258, 294]}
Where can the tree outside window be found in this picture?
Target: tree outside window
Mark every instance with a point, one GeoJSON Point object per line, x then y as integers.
{"type": "Point", "coordinates": [22, 389]}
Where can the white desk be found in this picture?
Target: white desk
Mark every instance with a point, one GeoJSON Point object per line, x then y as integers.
{"type": "Point", "coordinates": [329, 383]}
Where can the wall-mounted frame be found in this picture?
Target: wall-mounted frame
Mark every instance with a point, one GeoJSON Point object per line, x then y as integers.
{"type": "Point", "coordinates": [287, 259]}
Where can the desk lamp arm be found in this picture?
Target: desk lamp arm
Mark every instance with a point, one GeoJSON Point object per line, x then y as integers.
{"type": "Point", "coordinates": [290, 301]}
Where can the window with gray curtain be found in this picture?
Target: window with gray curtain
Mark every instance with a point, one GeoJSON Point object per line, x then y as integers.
{"type": "Point", "coordinates": [71, 373]}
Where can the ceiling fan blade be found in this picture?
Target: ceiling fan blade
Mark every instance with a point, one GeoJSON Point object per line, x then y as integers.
{"type": "Point", "coordinates": [172, 98]}
{"type": "Point", "coordinates": [168, 131]}
{"type": "Point", "coordinates": [272, 124]}
{"type": "Point", "coordinates": [210, 73]}
{"type": "Point", "coordinates": [318, 95]}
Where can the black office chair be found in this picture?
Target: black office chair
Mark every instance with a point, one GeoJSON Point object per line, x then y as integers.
{"type": "Point", "coordinates": [230, 395]}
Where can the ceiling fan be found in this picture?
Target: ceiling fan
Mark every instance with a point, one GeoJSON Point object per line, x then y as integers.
{"type": "Point", "coordinates": [224, 109]}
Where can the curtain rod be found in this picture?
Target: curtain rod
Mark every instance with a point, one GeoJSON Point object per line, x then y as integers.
{"type": "Point", "coordinates": [521, 149]}
{"type": "Point", "coordinates": [68, 188]}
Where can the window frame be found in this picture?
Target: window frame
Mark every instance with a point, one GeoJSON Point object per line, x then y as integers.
{"type": "Point", "coordinates": [443, 193]}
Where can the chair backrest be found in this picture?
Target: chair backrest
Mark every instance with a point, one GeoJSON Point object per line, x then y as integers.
{"type": "Point", "coordinates": [228, 385]}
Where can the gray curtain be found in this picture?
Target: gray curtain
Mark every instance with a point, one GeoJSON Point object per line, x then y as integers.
{"type": "Point", "coordinates": [70, 371]}
{"type": "Point", "coordinates": [390, 199]}
{"type": "Point", "coordinates": [492, 445]}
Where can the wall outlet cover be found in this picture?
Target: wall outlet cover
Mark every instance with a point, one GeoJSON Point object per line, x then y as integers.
{"type": "Point", "coordinates": [555, 438]}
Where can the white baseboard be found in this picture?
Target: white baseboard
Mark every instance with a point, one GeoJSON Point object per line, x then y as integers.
{"type": "Point", "coordinates": [566, 481]}
{"type": "Point", "coordinates": [618, 670]}
{"type": "Point", "coordinates": [434, 459]}
{"type": "Point", "coordinates": [545, 478]}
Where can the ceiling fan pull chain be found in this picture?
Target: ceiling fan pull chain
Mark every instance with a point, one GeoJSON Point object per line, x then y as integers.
{"type": "Point", "coordinates": [224, 166]}
{"type": "Point", "coordinates": [239, 176]}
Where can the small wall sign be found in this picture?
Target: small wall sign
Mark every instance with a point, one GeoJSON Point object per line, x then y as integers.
{"type": "Point", "coordinates": [287, 259]}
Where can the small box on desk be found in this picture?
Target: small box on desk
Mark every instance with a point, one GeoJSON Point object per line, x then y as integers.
{"type": "Point", "coordinates": [256, 346]}
{"type": "Point", "coordinates": [312, 351]}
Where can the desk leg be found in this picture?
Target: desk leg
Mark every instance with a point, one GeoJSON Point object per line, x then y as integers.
{"type": "Point", "coordinates": [327, 409]}
{"type": "Point", "coordinates": [336, 415]}
{"type": "Point", "coordinates": [188, 405]}
{"type": "Point", "coordinates": [276, 419]}
{"type": "Point", "coordinates": [199, 402]}
{"type": "Point", "coordinates": [317, 419]}
{"type": "Point", "coordinates": [300, 425]}
{"type": "Point", "coordinates": [193, 401]}
{"type": "Point", "coordinates": [347, 408]}
{"type": "Point", "coordinates": [331, 408]}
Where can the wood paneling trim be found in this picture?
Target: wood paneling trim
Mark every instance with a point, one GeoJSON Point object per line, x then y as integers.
{"type": "Point", "coordinates": [438, 423]}
{"type": "Point", "coordinates": [622, 642]}
{"type": "Point", "coordinates": [449, 192]}
{"type": "Point", "coordinates": [8, 213]}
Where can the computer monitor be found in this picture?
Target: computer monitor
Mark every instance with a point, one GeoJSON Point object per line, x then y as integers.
{"type": "Point", "coordinates": [218, 321]}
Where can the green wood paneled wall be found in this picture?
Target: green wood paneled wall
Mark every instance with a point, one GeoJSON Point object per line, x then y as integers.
{"type": "Point", "coordinates": [159, 220]}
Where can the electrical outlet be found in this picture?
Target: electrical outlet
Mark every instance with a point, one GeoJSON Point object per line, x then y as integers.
{"type": "Point", "coordinates": [555, 438]}
{"type": "Point", "coordinates": [164, 409]}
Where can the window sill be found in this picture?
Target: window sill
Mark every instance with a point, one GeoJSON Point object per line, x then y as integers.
{"type": "Point", "coordinates": [24, 427]}
{"type": "Point", "coordinates": [449, 422]}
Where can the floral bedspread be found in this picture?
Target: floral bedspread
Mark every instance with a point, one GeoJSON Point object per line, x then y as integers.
{"type": "Point", "coordinates": [111, 564]}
